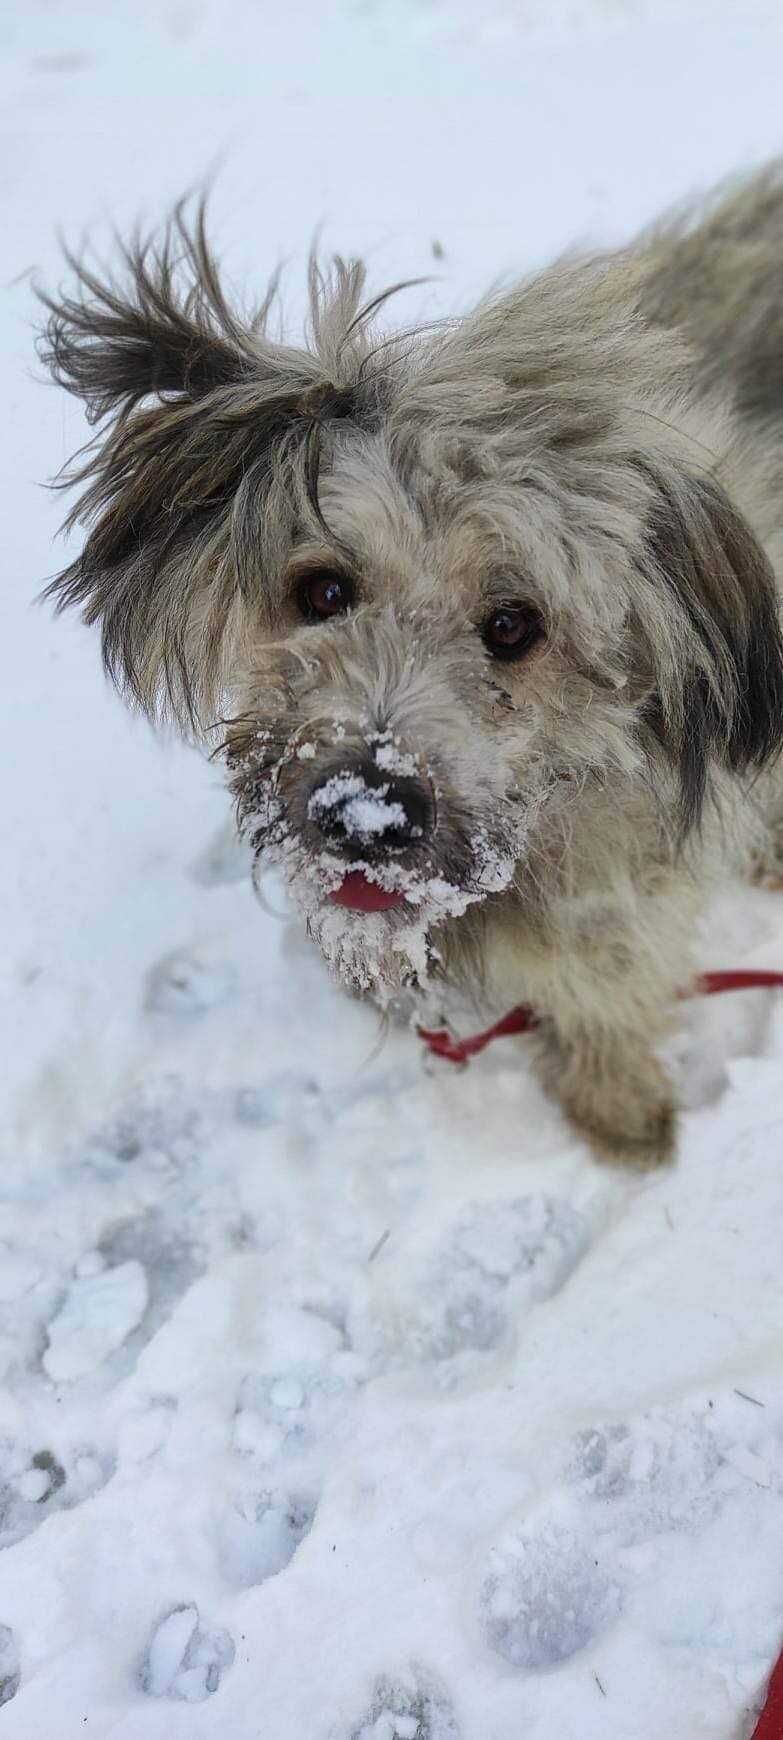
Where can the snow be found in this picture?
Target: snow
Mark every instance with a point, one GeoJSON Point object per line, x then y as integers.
{"type": "Point", "coordinates": [363, 813]}
{"type": "Point", "coordinates": [391, 759]}
{"type": "Point", "coordinates": [341, 1394]}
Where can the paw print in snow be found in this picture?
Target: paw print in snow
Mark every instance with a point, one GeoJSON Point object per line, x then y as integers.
{"type": "Point", "coordinates": [420, 1711]}
{"type": "Point", "coordinates": [289, 1411]}
{"type": "Point", "coordinates": [660, 1472]}
{"type": "Point", "coordinates": [546, 1597]}
{"type": "Point", "coordinates": [32, 1486]}
{"type": "Point", "coordinates": [260, 1534]}
{"type": "Point", "coordinates": [181, 984]}
{"type": "Point", "coordinates": [185, 1659]}
{"type": "Point", "coordinates": [533, 1243]}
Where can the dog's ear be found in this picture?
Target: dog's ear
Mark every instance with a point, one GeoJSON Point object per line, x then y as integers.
{"type": "Point", "coordinates": [165, 328]}
{"type": "Point", "coordinates": [193, 402]}
{"type": "Point", "coordinates": [721, 698]}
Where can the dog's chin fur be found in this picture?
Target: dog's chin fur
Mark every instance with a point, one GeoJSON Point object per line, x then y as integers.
{"type": "Point", "coordinates": [392, 951]}
{"type": "Point", "coordinates": [599, 449]}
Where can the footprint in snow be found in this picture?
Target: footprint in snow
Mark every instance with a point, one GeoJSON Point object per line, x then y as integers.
{"type": "Point", "coordinates": [290, 1411]}
{"type": "Point", "coordinates": [666, 1470]}
{"type": "Point", "coordinates": [419, 1710]}
{"type": "Point", "coordinates": [547, 1596]}
{"type": "Point", "coordinates": [185, 1659]}
{"type": "Point", "coordinates": [531, 1244]}
{"type": "Point", "coordinates": [170, 1259]}
{"type": "Point", "coordinates": [551, 1590]}
{"type": "Point", "coordinates": [10, 1676]}
{"type": "Point", "coordinates": [32, 1486]}
{"type": "Point", "coordinates": [282, 1098]}
{"type": "Point", "coordinates": [260, 1534]}
{"type": "Point", "coordinates": [155, 1123]}
{"type": "Point", "coordinates": [182, 984]}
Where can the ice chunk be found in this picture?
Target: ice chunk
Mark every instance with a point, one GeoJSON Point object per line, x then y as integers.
{"type": "Point", "coordinates": [98, 1313]}
{"type": "Point", "coordinates": [33, 1485]}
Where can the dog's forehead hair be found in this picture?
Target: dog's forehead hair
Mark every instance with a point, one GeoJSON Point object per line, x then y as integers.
{"type": "Point", "coordinates": [420, 525]}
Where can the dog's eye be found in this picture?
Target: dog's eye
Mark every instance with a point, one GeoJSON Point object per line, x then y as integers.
{"type": "Point", "coordinates": [512, 630]}
{"type": "Point", "coordinates": [324, 594]}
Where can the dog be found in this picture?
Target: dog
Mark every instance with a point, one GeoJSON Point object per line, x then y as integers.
{"type": "Point", "coordinates": [482, 617]}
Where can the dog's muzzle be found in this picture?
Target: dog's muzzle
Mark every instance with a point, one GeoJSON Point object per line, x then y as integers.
{"type": "Point", "coordinates": [373, 818]}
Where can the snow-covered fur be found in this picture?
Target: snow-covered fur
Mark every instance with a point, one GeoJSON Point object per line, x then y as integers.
{"type": "Point", "coordinates": [574, 451]}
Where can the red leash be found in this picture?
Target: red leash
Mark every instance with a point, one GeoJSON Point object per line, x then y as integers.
{"type": "Point", "coordinates": [439, 1041]}
{"type": "Point", "coordinates": [770, 1722]}
{"type": "Point", "coordinates": [523, 1019]}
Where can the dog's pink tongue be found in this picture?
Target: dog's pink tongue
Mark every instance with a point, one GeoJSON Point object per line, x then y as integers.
{"type": "Point", "coordinates": [363, 896]}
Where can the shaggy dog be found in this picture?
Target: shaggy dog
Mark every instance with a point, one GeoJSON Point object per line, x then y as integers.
{"type": "Point", "coordinates": [483, 618]}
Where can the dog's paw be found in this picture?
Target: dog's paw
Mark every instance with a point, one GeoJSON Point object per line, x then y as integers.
{"type": "Point", "coordinates": [653, 1146]}
{"type": "Point", "coordinates": [615, 1091]}
{"type": "Point", "coordinates": [634, 1122]}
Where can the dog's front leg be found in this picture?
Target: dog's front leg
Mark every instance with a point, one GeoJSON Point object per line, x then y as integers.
{"type": "Point", "coordinates": [612, 1087]}
{"type": "Point", "coordinates": [604, 980]}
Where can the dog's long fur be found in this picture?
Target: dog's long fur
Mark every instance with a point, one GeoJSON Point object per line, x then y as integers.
{"type": "Point", "coordinates": [603, 444]}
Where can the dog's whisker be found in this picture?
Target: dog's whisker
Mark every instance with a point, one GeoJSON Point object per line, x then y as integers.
{"type": "Point", "coordinates": [270, 910]}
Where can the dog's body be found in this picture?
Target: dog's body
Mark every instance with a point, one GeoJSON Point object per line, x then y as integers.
{"type": "Point", "coordinates": [489, 614]}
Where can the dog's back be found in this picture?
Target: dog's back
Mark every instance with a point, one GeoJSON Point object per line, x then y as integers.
{"type": "Point", "coordinates": [715, 273]}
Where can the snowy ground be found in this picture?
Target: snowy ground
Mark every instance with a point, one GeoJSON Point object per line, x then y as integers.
{"type": "Point", "coordinates": [346, 1399]}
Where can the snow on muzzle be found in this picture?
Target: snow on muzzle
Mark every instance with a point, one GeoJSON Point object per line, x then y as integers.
{"type": "Point", "coordinates": [361, 812]}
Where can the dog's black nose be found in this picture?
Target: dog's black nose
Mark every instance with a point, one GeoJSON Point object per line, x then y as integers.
{"type": "Point", "coordinates": [360, 808]}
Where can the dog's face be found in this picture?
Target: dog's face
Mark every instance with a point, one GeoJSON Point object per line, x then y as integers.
{"type": "Point", "coordinates": [435, 591]}
{"type": "Point", "coordinates": [416, 699]}
{"type": "Point", "coordinates": [390, 740]}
